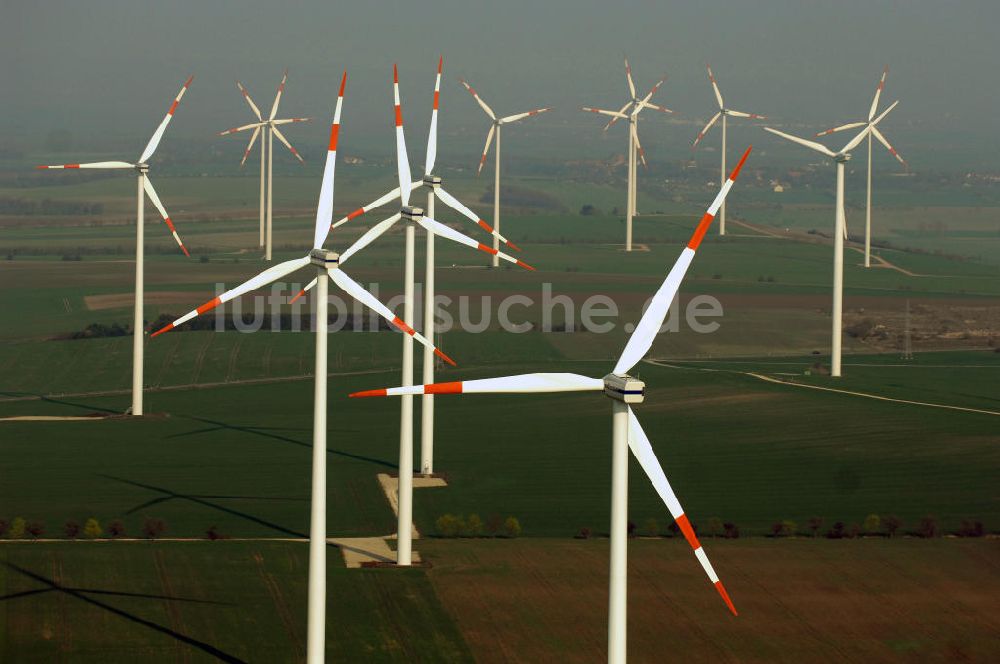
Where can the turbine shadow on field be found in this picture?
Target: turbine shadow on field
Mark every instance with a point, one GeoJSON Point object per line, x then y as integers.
{"type": "Point", "coordinates": [266, 432]}
{"type": "Point", "coordinates": [82, 594]}
{"type": "Point", "coordinates": [61, 402]}
{"type": "Point", "coordinates": [204, 501]}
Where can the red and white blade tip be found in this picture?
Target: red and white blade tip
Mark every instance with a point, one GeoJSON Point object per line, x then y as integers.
{"type": "Point", "coordinates": [401, 324]}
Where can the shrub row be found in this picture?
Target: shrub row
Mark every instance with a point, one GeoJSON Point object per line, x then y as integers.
{"type": "Point", "coordinates": [456, 525]}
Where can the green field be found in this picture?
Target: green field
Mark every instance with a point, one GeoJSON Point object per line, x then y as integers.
{"type": "Point", "coordinates": [227, 441]}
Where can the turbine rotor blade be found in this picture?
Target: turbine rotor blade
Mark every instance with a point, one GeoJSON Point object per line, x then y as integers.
{"type": "Point", "coordinates": [285, 121]}
{"type": "Point", "coordinates": [649, 325]}
{"type": "Point", "coordinates": [93, 164]}
{"type": "Point", "coordinates": [882, 139]}
{"type": "Point", "coordinates": [272, 273]}
{"type": "Point", "coordinates": [324, 209]}
{"type": "Point", "coordinates": [813, 145]}
{"type": "Point", "coordinates": [235, 130]}
{"type": "Point", "coordinates": [489, 139]}
{"type": "Point", "coordinates": [457, 205]}
{"type": "Point", "coordinates": [281, 137]}
{"type": "Point", "coordinates": [277, 96]}
{"type": "Point", "coordinates": [614, 114]}
{"type": "Point", "coordinates": [355, 290]}
{"type": "Point", "coordinates": [701, 134]}
{"type": "Point", "coordinates": [479, 100]}
{"type": "Point", "coordinates": [628, 78]}
{"type": "Point", "coordinates": [253, 139]}
{"type": "Point", "coordinates": [148, 186]}
{"type": "Point", "coordinates": [834, 130]}
{"type": "Point", "coordinates": [432, 135]}
{"type": "Point", "coordinates": [715, 88]}
{"type": "Point", "coordinates": [519, 384]}
{"type": "Point", "coordinates": [154, 141]}
{"type": "Point", "coordinates": [521, 116]}
{"type": "Point", "coordinates": [641, 448]}
{"type": "Point", "coordinates": [377, 203]}
{"type": "Point", "coordinates": [878, 93]}
{"type": "Point", "coordinates": [638, 145]}
{"type": "Point", "coordinates": [246, 96]}
{"type": "Point", "coordinates": [441, 230]}
{"type": "Point", "coordinates": [853, 143]}
{"type": "Point", "coordinates": [742, 114]}
{"type": "Point", "coordinates": [402, 160]}
{"type": "Point", "coordinates": [621, 113]}
{"type": "Point", "coordinates": [370, 236]}
{"type": "Point", "coordinates": [884, 113]}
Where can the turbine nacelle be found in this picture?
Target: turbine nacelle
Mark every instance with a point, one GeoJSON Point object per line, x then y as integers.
{"type": "Point", "coordinates": [843, 157]}
{"type": "Point", "coordinates": [412, 212]}
{"type": "Point", "coordinates": [433, 181]}
{"type": "Point", "coordinates": [624, 388]}
{"type": "Point", "coordinates": [142, 168]}
{"type": "Point", "coordinates": [324, 258]}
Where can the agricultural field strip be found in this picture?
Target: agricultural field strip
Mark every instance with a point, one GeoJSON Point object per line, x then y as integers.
{"type": "Point", "coordinates": [769, 379]}
{"type": "Point", "coordinates": [192, 386]}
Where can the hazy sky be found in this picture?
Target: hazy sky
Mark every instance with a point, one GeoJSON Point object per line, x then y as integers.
{"type": "Point", "coordinates": [113, 66]}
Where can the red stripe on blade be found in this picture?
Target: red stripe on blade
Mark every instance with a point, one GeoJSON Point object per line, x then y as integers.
{"type": "Point", "coordinates": [343, 83]}
{"type": "Point", "coordinates": [297, 296]}
{"type": "Point", "coordinates": [725, 597]}
{"type": "Point", "coordinates": [357, 213]}
{"type": "Point", "coordinates": [334, 133]}
{"type": "Point", "coordinates": [173, 107]}
{"type": "Point", "coordinates": [208, 306]}
{"type": "Point", "coordinates": [368, 393]}
{"type": "Point", "coordinates": [444, 357]}
{"type": "Point", "coordinates": [437, 96]}
{"type": "Point", "coordinates": [685, 526]}
{"type": "Point", "coordinates": [401, 324]}
{"type": "Point", "coordinates": [489, 250]}
{"type": "Point", "coordinates": [399, 116]}
{"type": "Point", "coordinates": [736, 171]}
{"type": "Point", "coordinates": [162, 330]}
{"type": "Point", "coordinates": [444, 388]}
{"type": "Point", "coordinates": [525, 266]}
{"type": "Point", "coordinates": [699, 233]}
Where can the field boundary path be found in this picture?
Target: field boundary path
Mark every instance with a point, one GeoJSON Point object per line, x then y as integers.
{"type": "Point", "coordinates": [878, 397]}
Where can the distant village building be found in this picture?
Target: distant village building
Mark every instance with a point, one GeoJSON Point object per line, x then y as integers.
{"type": "Point", "coordinates": [778, 189]}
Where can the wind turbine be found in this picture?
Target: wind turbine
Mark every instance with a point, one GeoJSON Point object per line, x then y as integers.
{"type": "Point", "coordinates": [436, 189]}
{"type": "Point", "coordinates": [415, 216]}
{"type": "Point", "coordinates": [841, 157]}
{"type": "Point", "coordinates": [630, 111]}
{"type": "Point", "coordinates": [724, 113]}
{"type": "Point", "coordinates": [327, 264]}
{"type": "Point", "coordinates": [495, 129]}
{"type": "Point", "coordinates": [144, 186]}
{"type": "Point", "coordinates": [882, 139]}
{"type": "Point", "coordinates": [270, 129]}
{"type": "Point", "coordinates": [623, 390]}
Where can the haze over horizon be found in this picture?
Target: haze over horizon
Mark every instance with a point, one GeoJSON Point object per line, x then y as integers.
{"type": "Point", "coordinates": [108, 68]}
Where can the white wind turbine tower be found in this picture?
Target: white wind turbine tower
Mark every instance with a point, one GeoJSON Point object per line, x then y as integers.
{"type": "Point", "coordinates": [623, 390]}
{"type": "Point", "coordinates": [144, 186]}
{"type": "Point", "coordinates": [327, 264]}
{"type": "Point", "coordinates": [415, 216]}
{"type": "Point", "coordinates": [495, 129]}
{"type": "Point", "coordinates": [724, 113]}
{"type": "Point", "coordinates": [840, 157]}
{"type": "Point", "coordinates": [270, 130]}
{"type": "Point", "coordinates": [882, 139]}
{"type": "Point", "coordinates": [630, 111]}
{"type": "Point", "coordinates": [435, 189]}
